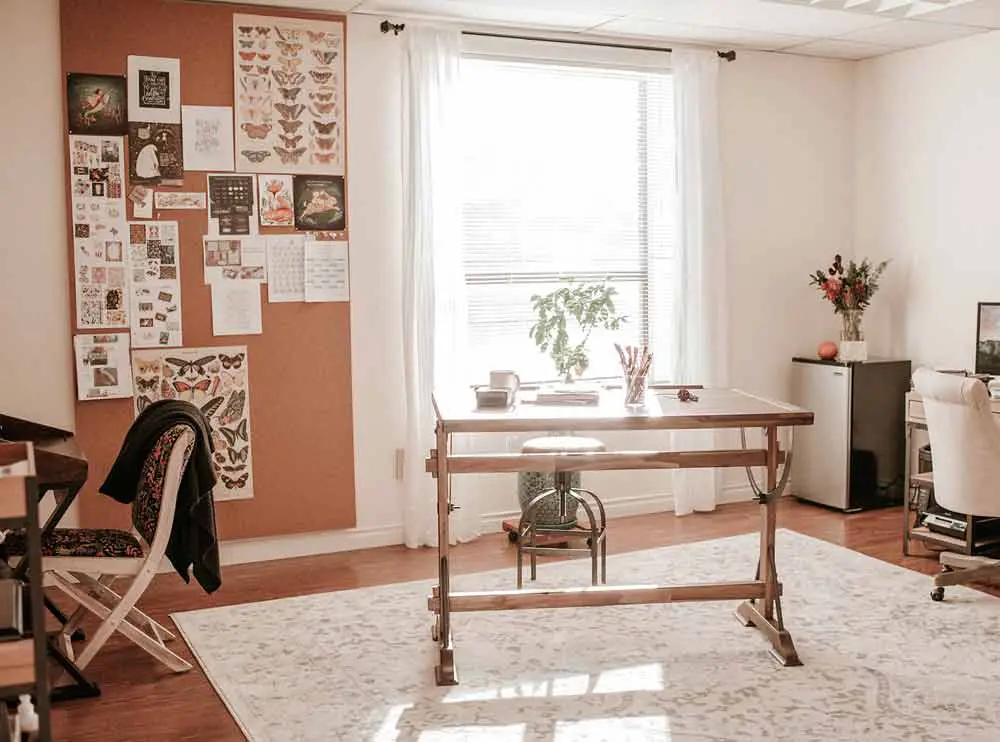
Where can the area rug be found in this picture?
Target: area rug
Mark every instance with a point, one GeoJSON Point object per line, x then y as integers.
{"type": "Point", "coordinates": [881, 660]}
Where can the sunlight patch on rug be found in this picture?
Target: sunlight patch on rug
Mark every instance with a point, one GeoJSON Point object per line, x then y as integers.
{"type": "Point", "coordinates": [882, 662]}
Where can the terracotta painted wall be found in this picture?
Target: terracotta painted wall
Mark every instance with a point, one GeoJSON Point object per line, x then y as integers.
{"type": "Point", "coordinates": [300, 367]}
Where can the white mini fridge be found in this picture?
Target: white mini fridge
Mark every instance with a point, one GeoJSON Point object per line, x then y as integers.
{"type": "Point", "coordinates": [853, 456]}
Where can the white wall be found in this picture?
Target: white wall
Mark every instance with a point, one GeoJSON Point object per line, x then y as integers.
{"type": "Point", "coordinates": [788, 151]}
{"type": "Point", "coordinates": [928, 155]}
{"type": "Point", "coordinates": [36, 377]}
{"type": "Point", "coordinates": [787, 154]}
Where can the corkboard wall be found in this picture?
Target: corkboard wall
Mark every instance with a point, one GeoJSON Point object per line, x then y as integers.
{"type": "Point", "coordinates": [300, 367]}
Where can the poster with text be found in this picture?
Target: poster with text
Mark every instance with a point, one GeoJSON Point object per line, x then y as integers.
{"type": "Point", "coordinates": [289, 82]}
{"type": "Point", "coordinates": [103, 368]}
{"type": "Point", "coordinates": [217, 380]}
{"type": "Point", "coordinates": [97, 203]}
{"type": "Point", "coordinates": [154, 90]}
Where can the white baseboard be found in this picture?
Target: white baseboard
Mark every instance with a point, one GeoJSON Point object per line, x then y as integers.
{"type": "Point", "coordinates": [294, 545]}
{"type": "Point", "coordinates": [245, 551]}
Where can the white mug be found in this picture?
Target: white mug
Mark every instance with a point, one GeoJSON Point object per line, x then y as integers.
{"type": "Point", "coordinates": [505, 380]}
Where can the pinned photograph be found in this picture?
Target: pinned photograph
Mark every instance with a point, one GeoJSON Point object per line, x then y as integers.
{"type": "Point", "coordinates": [96, 104]}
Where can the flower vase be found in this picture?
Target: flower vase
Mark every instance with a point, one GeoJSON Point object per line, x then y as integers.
{"type": "Point", "coordinates": [852, 337]}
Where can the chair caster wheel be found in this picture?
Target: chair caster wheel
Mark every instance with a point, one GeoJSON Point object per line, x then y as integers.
{"type": "Point", "coordinates": [512, 536]}
{"type": "Point", "coordinates": [937, 594]}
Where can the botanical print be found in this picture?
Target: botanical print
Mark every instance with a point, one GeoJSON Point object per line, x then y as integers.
{"type": "Point", "coordinates": [275, 193]}
{"type": "Point", "coordinates": [289, 82]}
{"type": "Point", "coordinates": [97, 204]}
{"type": "Point", "coordinates": [218, 381]}
{"type": "Point", "coordinates": [95, 104]}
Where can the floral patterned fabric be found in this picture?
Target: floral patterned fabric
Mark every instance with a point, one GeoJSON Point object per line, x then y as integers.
{"type": "Point", "coordinates": [80, 542]}
{"type": "Point", "coordinates": [146, 508]}
{"type": "Point", "coordinates": [111, 542]}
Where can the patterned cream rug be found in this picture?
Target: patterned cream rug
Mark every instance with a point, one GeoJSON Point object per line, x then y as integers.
{"type": "Point", "coordinates": [881, 660]}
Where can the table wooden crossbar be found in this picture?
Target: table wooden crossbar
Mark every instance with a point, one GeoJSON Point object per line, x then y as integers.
{"type": "Point", "coordinates": [714, 409]}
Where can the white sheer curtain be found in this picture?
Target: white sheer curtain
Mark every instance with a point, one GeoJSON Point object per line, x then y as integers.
{"type": "Point", "coordinates": [700, 335]}
{"type": "Point", "coordinates": [434, 312]}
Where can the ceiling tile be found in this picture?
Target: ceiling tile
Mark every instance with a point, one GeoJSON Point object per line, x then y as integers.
{"type": "Point", "coordinates": [494, 11]}
{"type": "Point", "coordinates": [904, 34]}
{"type": "Point", "coordinates": [984, 13]}
{"type": "Point", "coordinates": [754, 15]}
{"type": "Point", "coordinates": [840, 49]}
{"type": "Point", "coordinates": [666, 31]}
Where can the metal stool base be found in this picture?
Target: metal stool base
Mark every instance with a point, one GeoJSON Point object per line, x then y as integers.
{"type": "Point", "coordinates": [595, 530]}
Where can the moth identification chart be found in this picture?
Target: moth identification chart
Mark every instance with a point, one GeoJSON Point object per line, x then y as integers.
{"type": "Point", "coordinates": [289, 95]}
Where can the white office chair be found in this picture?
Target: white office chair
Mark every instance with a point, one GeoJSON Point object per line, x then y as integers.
{"type": "Point", "coordinates": [965, 444]}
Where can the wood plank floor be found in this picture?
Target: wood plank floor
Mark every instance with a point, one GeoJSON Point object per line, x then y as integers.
{"type": "Point", "coordinates": [143, 702]}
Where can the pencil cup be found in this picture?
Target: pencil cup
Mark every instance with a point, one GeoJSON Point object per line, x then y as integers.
{"type": "Point", "coordinates": [635, 390]}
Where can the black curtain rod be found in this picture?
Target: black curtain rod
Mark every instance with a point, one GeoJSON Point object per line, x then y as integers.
{"type": "Point", "coordinates": [729, 54]}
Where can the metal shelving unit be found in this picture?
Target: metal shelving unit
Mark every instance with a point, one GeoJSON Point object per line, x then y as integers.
{"type": "Point", "coordinates": [23, 662]}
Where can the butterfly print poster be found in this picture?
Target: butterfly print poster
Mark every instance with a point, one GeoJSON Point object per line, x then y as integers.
{"type": "Point", "coordinates": [289, 83]}
{"type": "Point", "coordinates": [100, 235]}
{"type": "Point", "coordinates": [208, 137]}
{"type": "Point", "coordinates": [155, 291]}
{"type": "Point", "coordinates": [218, 381]}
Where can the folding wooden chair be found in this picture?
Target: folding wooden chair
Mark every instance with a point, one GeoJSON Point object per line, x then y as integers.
{"type": "Point", "coordinates": [85, 563]}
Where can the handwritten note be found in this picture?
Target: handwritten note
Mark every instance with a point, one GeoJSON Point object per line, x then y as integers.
{"type": "Point", "coordinates": [326, 271]}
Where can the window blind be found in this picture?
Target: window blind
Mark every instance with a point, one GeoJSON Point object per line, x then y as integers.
{"type": "Point", "coordinates": [568, 172]}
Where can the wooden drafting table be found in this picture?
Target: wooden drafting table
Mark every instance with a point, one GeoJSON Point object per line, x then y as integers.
{"type": "Point", "coordinates": [714, 409]}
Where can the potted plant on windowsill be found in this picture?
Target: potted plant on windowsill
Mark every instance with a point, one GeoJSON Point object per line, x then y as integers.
{"type": "Point", "coordinates": [565, 319]}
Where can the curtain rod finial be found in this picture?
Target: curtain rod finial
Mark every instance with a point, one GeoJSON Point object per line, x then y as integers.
{"type": "Point", "coordinates": [728, 55]}
{"type": "Point", "coordinates": [386, 27]}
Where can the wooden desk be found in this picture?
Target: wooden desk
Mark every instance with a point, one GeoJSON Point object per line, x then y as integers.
{"type": "Point", "coordinates": [715, 409]}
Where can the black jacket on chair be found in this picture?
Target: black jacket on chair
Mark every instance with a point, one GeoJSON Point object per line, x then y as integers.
{"type": "Point", "coordinates": [193, 541]}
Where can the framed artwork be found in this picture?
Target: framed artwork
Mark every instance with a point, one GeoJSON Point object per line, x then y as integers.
{"type": "Point", "coordinates": [96, 104]}
{"type": "Point", "coordinates": [988, 338]}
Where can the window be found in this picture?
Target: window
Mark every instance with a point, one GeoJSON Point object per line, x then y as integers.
{"type": "Point", "coordinates": [568, 171]}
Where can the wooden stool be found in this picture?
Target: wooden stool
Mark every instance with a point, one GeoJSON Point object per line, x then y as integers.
{"type": "Point", "coordinates": [564, 522]}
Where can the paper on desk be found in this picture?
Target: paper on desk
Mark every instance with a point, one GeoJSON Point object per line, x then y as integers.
{"type": "Point", "coordinates": [286, 265]}
{"type": "Point", "coordinates": [326, 271]}
{"type": "Point", "coordinates": [236, 308]}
